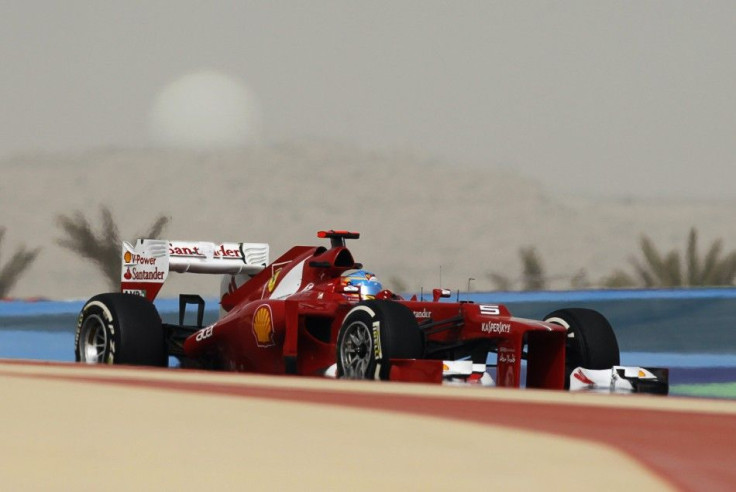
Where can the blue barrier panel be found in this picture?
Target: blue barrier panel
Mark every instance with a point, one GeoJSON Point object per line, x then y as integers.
{"type": "Point", "coordinates": [62, 315]}
{"type": "Point", "coordinates": [691, 331]}
{"type": "Point", "coordinates": [672, 321]}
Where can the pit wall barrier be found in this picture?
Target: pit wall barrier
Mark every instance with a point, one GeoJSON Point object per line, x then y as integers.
{"type": "Point", "coordinates": [662, 320]}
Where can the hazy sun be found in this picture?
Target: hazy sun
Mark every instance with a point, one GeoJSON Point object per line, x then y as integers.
{"type": "Point", "coordinates": [205, 109]}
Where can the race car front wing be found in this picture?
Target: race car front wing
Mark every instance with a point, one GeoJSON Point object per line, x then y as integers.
{"type": "Point", "coordinates": [621, 379]}
{"type": "Point", "coordinates": [618, 379]}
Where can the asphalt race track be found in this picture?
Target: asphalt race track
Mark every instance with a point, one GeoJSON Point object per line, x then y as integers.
{"type": "Point", "coordinates": [68, 426]}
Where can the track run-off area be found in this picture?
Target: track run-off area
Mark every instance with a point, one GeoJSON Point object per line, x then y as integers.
{"type": "Point", "coordinates": [71, 426]}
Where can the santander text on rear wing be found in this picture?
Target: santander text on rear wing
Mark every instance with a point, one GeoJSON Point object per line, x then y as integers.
{"type": "Point", "coordinates": [146, 265]}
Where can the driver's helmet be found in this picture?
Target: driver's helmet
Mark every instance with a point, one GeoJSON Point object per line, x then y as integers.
{"type": "Point", "coordinates": [367, 283]}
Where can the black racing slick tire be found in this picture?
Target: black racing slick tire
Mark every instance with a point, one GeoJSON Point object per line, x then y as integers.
{"type": "Point", "coordinates": [120, 328]}
{"type": "Point", "coordinates": [373, 333]}
{"type": "Point", "coordinates": [591, 342]}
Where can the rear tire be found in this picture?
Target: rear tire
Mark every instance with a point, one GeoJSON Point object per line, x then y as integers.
{"type": "Point", "coordinates": [591, 342]}
{"type": "Point", "coordinates": [373, 333]}
{"type": "Point", "coordinates": [120, 328]}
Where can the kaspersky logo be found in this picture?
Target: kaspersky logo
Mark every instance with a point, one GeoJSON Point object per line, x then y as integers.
{"type": "Point", "coordinates": [263, 326]}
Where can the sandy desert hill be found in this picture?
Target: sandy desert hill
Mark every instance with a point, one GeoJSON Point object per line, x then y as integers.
{"type": "Point", "coordinates": [414, 214]}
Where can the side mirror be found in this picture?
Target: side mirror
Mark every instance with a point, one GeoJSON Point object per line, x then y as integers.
{"type": "Point", "coordinates": [439, 293]}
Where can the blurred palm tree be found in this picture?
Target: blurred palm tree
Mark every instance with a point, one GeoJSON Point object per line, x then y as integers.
{"type": "Point", "coordinates": [16, 266]}
{"type": "Point", "coordinates": [533, 275]}
{"type": "Point", "coordinates": [397, 284]}
{"type": "Point", "coordinates": [657, 269]}
{"type": "Point", "coordinates": [103, 247]}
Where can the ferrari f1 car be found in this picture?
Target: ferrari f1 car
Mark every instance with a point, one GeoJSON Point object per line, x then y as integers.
{"type": "Point", "coordinates": [315, 311]}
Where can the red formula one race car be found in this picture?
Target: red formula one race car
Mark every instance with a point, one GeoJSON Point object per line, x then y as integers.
{"type": "Point", "coordinates": [315, 311]}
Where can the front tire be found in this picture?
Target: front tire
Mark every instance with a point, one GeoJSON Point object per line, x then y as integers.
{"type": "Point", "coordinates": [120, 328]}
{"type": "Point", "coordinates": [591, 342]}
{"type": "Point", "coordinates": [373, 333]}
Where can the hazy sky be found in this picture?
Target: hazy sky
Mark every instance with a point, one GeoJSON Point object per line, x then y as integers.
{"type": "Point", "coordinates": [613, 98]}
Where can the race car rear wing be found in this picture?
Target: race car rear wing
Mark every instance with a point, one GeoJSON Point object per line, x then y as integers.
{"type": "Point", "coordinates": [146, 265]}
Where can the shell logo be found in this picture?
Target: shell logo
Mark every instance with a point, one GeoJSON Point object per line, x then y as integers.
{"type": "Point", "coordinates": [263, 326]}
{"type": "Point", "coordinates": [128, 257]}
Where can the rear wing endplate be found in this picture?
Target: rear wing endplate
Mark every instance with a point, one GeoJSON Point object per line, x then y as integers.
{"type": "Point", "coordinates": [146, 265]}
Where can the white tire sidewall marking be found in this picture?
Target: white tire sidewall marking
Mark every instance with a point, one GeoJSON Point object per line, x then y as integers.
{"type": "Point", "coordinates": [107, 315]}
{"type": "Point", "coordinates": [375, 335]}
{"type": "Point", "coordinates": [558, 321]}
{"type": "Point", "coordinates": [562, 322]}
{"type": "Point", "coordinates": [368, 310]}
